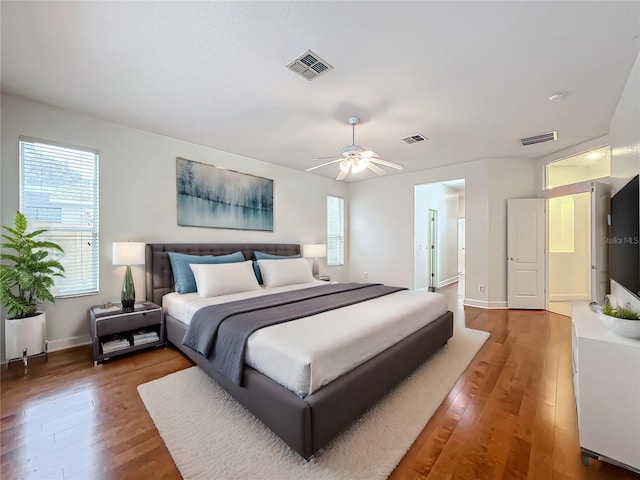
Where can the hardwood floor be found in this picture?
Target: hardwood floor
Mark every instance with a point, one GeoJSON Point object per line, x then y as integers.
{"type": "Point", "coordinates": [67, 419]}
{"type": "Point", "coordinates": [510, 416]}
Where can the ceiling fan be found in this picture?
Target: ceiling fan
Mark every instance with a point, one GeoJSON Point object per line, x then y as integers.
{"type": "Point", "coordinates": [356, 159]}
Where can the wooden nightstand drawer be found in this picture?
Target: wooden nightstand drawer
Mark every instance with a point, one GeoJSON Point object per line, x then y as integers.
{"type": "Point", "coordinates": [124, 322]}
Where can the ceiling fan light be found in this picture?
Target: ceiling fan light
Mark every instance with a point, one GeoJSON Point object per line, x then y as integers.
{"type": "Point", "coordinates": [359, 165]}
{"type": "Point", "coordinates": [356, 159]}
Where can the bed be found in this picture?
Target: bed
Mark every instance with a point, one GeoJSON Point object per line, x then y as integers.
{"type": "Point", "coordinates": [305, 422]}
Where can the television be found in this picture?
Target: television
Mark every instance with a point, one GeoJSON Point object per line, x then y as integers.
{"type": "Point", "coordinates": [624, 237]}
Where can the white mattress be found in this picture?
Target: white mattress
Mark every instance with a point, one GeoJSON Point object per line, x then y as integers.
{"type": "Point", "coordinates": [305, 354]}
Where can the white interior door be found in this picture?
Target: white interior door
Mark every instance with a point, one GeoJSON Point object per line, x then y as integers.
{"type": "Point", "coordinates": [600, 209]}
{"type": "Point", "coordinates": [461, 246]}
{"type": "Point", "coordinates": [432, 254]}
{"type": "Point", "coordinates": [526, 261]}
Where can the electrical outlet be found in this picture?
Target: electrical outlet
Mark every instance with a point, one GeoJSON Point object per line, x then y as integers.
{"type": "Point", "coordinates": [481, 288]}
{"type": "Point", "coordinates": [365, 275]}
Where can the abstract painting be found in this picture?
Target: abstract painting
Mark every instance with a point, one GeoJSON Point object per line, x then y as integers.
{"type": "Point", "coordinates": [209, 196]}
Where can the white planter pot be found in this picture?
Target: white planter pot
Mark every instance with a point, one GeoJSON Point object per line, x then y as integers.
{"type": "Point", "coordinates": [25, 333]}
{"type": "Point", "coordinates": [621, 326]}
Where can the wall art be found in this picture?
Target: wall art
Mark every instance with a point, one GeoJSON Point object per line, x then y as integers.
{"type": "Point", "coordinates": [209, 196]}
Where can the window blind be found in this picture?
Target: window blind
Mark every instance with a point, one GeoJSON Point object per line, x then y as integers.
{"type": "Point", "coordinates": [335, 231]}
{"type": "Point", "coordinates": [59, 192]}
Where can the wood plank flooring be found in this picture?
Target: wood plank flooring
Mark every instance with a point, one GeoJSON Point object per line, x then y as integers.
{"type": "Point", "coordinates": [510, 416]}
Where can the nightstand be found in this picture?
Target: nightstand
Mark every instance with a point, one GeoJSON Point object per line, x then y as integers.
{"type": "Point", "coordinates": [115, 333]}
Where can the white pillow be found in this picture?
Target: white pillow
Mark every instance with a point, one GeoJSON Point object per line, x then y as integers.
{"type": "Point", "coordinates": [214, 279]}
{"type": "Point", "coordinates": [276, 273]}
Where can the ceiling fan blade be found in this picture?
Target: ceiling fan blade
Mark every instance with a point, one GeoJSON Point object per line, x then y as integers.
{"type": "Point", "coordinates": [369, 154]}
{"type": "Point", "coordinates": [375, 169]}
{"type": "Point", "coordinates": [326, 158]}
{"type": "Point", "coordinates": [386, 163]}
{"type": "Point", "coordinates": [343, 173]}
{"type": "Point", "coordinates": [336, 160]}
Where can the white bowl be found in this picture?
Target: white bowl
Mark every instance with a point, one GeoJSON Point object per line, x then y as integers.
{"type": "Point", "coordinates": [621, 326]}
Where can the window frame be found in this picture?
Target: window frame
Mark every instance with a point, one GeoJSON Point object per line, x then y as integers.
{"type": "Point", "coordinates": [93, 281]}
{"type": "Point", "coordinates": [554, 162]}
{"type": "Point", "coordinates": [341, 236]}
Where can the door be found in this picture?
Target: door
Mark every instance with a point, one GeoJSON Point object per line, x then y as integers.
{"type": "Point", "coordinates": [432, 254]}
{"type": "Point", "coordinates": [600, 209]}
{"type": "Point", "coordinates": [526, 253]}
{"type": "Point", "coordinates": [461, 246]}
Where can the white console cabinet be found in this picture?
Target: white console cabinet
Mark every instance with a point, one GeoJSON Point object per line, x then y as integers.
{"type": "Point", "coordinates": [606, 380]}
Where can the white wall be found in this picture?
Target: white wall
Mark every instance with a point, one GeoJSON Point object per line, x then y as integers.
{"type": "Point", "coordinates": [624, 132]}
{"type": "Point", "coordinates": [508, 178]}
{"type": "Point", "coordinates": [138, 199]}
{"type": "Point", "coordinates": [436, 196]}
{"type": "Point", "coordinates": [382, 224]}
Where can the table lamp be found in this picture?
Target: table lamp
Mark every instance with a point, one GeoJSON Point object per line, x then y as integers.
{"type": "Point", "coordinates": [315, 251]}
{"type": "Point", "coordinates": [128, 253]}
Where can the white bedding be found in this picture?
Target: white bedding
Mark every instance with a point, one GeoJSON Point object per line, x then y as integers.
{"type": "Point", "coordinates": [305, 354]}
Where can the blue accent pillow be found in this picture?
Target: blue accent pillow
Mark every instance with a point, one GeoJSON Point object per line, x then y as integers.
{"type": "Point", "coordinates": [183, 277]}
{"type": "Point", "coordinates": [267, 256]}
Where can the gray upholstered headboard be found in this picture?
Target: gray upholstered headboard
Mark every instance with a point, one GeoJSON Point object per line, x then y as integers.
{"type": "Point", "coordinates": [159, 277]}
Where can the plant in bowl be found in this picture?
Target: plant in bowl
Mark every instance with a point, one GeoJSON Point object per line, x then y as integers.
{"type": "Point", "coordinates": [26, 280]}
{"type": "Point", "coordinates": [623, 321]}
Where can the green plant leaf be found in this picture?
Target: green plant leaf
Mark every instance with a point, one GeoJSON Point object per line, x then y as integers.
{"type": "Point", "coordinates": [27, 279]}
{"type": "Point", "coordinates": [624, 313]}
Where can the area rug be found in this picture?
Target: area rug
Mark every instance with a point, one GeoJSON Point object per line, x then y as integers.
{"type": "Point", "coordinates": [210, 436]}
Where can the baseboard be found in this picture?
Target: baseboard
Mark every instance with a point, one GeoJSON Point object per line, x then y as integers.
{"type": "Point", "coordinates": [447, 281]}
{"type": "Point", "coordinates": [568, 297]}
{"type": "Point", "coordinates": [496, 305]}
{"type": "Point", "coordinates": [64, 343]}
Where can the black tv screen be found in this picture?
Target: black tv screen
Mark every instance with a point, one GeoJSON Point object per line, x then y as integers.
{"type": "Point", "coordinates": [624, 238]}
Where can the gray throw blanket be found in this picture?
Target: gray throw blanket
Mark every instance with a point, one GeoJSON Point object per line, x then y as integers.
{"type": "Point", "coordinates": [220, 332]}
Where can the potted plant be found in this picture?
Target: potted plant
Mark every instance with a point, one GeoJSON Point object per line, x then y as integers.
{"type": "Point", "coordinates": [26, 279]}
{"type": "Point", "coordinates": [623, 321]}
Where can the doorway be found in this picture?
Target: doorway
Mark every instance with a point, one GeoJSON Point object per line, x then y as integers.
{"type": "Point", "coordinates": [576, 271]}
{"type": "Point", "coordinates": [444, 202]}
{"type": "Point", "coordinates": [569, 243]}
{"type": "Point", "coordinates": [578, 205]}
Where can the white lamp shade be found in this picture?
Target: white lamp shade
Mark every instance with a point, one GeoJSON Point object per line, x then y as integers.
{"type": "Point", "coordinates": [128, 253]}
{"type": "Point", "coordinates": [318, 250]}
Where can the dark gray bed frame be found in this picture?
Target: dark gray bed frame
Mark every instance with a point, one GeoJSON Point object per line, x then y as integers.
{"type": "Point", "coordinates": [305, 424]}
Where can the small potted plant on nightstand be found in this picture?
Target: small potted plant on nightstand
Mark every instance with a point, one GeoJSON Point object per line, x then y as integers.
{"type": "Point", "coordinates": [26, 279]}
{"type": "Point", "coordinates": [623, 321]}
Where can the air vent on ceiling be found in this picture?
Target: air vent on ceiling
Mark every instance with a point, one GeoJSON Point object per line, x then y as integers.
{"type": "Point", "coordinates": [414, 138]}
{"type": "Point", "coordinates": [545, 137]}
{"type": "Point", "coordinates": [309, 65]}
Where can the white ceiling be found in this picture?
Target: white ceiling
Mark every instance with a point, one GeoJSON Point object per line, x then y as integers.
{"type": "Point", "coordinates": [473, 77]}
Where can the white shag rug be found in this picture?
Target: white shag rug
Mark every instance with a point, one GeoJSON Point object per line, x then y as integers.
{"type": "Point", "coordinates": [210, 436]}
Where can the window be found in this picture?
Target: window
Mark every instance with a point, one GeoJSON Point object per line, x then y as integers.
{"type": "Point", "coordinates": [335, 231]}
{"type": "Point", "coordinates": [59, 192]}
{"type": "Point", "coordinates": [590, 165]}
